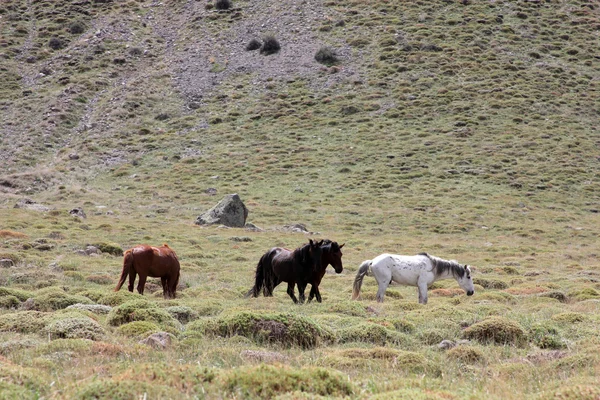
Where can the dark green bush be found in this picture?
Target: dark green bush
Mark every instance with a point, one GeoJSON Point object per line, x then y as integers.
{"type": "Point", "coordinates": [223, 4]}
{"type": "Point", "coordinates": [327, 56]}
{"type": "Point", "coordinates": [270, 45]}
{"type": "Point", "coordinates": [254, 44]}
{"type": "Point", "coordinates": [285, 329]}
{"type": "Point", "coordinates": [267, 381]}
{"type": "Point", "coordinates": [496, 330]}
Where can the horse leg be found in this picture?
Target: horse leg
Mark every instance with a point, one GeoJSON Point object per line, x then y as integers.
{"type": "Point", "coordinates": [312, 293]}
{"type": "Point", "coordinates": [166, 292]}
{"type": "Point", "coordinates": [141, 284]}
{"type": "Point", "coordinates": [290, 291]}
{"type": "Point", "coordinates": [383, 276]}
{"type": "Point", "coordinates": [132, 275]}
{"type": "Point", "coordinates": [422, 286]}
{"type": "Point", "coordinates": [318, 294]}
{"type": "Point", "coordinates": [301, 289]}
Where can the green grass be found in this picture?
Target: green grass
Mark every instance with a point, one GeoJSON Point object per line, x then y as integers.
{"type": "Point", "coordinates": [442, 128]}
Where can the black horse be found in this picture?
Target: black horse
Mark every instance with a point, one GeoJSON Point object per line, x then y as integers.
{"type": "Point", "coordinates": [302, 266]}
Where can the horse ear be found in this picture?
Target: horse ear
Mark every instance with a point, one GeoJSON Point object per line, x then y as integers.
{"type": "Point", "coordinates": [310, 242]}
{"type": "Point", "coordinates": [342, 245]}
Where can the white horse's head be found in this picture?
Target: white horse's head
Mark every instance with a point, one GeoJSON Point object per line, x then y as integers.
{"type": "Point", "coordinates": [466, 281]}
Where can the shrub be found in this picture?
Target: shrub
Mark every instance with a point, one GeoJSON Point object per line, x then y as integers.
{"type": "Point", "coordinates": [182, 313]}
{"type": "Point", "coordinates": [186, 379]}
{"type": "Point", "coordinates": [23, 322]}
{"type": "Point", "coordinates": [80, 346]}
{"type": "Point", "coordinates": [116, 298]}
{"type": "Point", "coordinates": [76, 28]}
{"type": "Point", "coordinates": [267, 381]}
{"type": "Point", "coordinates": [285, 329]}
{"type": "Point", "coordinates": [101, 279]}
{"type": "Point", "coordinates": [432, 336]}
{"type": "Point", "coordinates": [75, 328]}
{"type": "Point", "coordinates": [569, 317]}
{"type": "Point", "coordinates": [56, 43]}
{"type": "Point", "coordinates": [223, 4]}
{"type": "Point", "coordinates": [496, 330]}
{"type": "Point", "coordinates": [138, 328]}
{"type": "Point", "coordinates": [584, 294]}
{"type": "Point", "coordinates": [120, 389]}
{"type": "Point", "coordinates": [383, 353]}
{"type": "Point", "coordinates": [270, 45]}
{"type": "Point", "coordinates": [555, 294]}
{"type": "Point", "coordinates": [365, 332]}
{"type": "Point", "coordinates": [491, 283]}
{"type": "Point", "coordinates": [574, 392]}
{"type": "Point", "coordinates": [53, 298]}
{"type": "Point", "coordinates": [545, 336]}
{"type": "Point", "coordinates": [466, 354]}
{"type": "Point", "coordinates": [27, 378]}
{"type": "Point", "coordinates": [413, 394]}
{"type": "Point", "coordinates": [110, 248]}
{"type": "Point", "coordinates": [326, 56]}
{"type": "Point", "coordinates": [348, 307]}
{"type": "Point", "coordinates": [22, 295]}
{"type": "Point", "coordinates": [139, 310]}
{"type": "Point", "coordinates": [254, 44]}
{"type": "Point", "coordinates": [9, 302]}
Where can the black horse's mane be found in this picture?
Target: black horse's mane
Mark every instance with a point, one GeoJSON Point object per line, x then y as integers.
{"type": "Point", "coordinates": [442, 266]}
{"type": "Point", "coordinates": [303, 258]}
{"type": "Point", "coordinates": [330, 246]}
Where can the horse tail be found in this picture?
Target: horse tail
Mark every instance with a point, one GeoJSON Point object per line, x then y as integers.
{"type": "Point", "coordinates": [263, 273]}
{"type": "Point", "coordinates": [362, 271]}
{"type": "Point", "coordinates": [127, 266]}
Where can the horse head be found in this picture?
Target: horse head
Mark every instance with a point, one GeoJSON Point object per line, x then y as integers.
{"type": "Point", "coordinates": [332, 254]}
{"type": "Point", "coordinates": [466, 281]}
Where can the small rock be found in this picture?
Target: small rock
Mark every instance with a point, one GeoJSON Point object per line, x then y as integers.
{"type": "Point", "coordinates": [28, 304]}
{"type": "Point", "coordinates": [263, 356]}
{"type": "Point", "coordinates": [89, 250]}
{"type": "Point", "coordinates": [55, 267]}
{"type": "Point", "coordinates": [241, 239]}
{"type": "Point", "coordinates": [6, 263]}
{"type": "Point", "coordinates": [446, 344]}
{"type": "Point", "coordinates": [159, 340]}
{"type": "Point", "coordinates": [372, 310]}
{"type": "Point", "coordinates": [73, 156]}
{"type": "Point", "coordinates": [253, 228]}
{"type": "Point", "coordinates": [78, 212]}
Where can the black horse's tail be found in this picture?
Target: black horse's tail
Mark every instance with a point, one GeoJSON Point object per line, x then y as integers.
{"type": "Point", "coordinates": [127, 266]}
{"type": "Point", "coordinates": [264, 278]}
{"type": "Point", "coordinates": [362, 271]}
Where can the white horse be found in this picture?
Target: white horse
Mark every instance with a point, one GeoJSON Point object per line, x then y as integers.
{"type": "Point", "coordinates": [420, 271]}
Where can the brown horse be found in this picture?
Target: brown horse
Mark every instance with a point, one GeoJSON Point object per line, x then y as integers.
{"type": "Point", "coordinates": [331, 255]}
{"type": "Point", "coordinates": [157, 262]}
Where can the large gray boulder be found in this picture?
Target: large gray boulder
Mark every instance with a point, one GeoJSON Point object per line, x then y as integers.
{"type": "Point", "coordinates": [230, 211]}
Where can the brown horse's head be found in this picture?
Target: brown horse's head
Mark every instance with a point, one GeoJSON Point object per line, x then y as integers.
{"type": "Point", "coordinates": [332, 255]}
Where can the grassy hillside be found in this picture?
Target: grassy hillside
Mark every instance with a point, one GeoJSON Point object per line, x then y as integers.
{"type": "Point", "coordinates": [465, 129]}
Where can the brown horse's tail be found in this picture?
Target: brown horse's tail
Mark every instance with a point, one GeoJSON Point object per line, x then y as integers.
{"type": "Point", "coordinates": [264, 278]}
{"type": "Point", "coordinates": [127, 266]}
{"type": "Point", "coordinates": [362, 271]}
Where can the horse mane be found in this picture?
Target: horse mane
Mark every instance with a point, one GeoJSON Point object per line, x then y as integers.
{"type": "Point", "coordinates": [330, 246]}
{"type": "Point", "coordinates": [441, 266]}
{"type": "Point", "coordinates": [302, 256]}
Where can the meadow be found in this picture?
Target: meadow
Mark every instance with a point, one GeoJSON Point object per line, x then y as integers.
{"type": "Point", "coordinates": [464, 129]}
